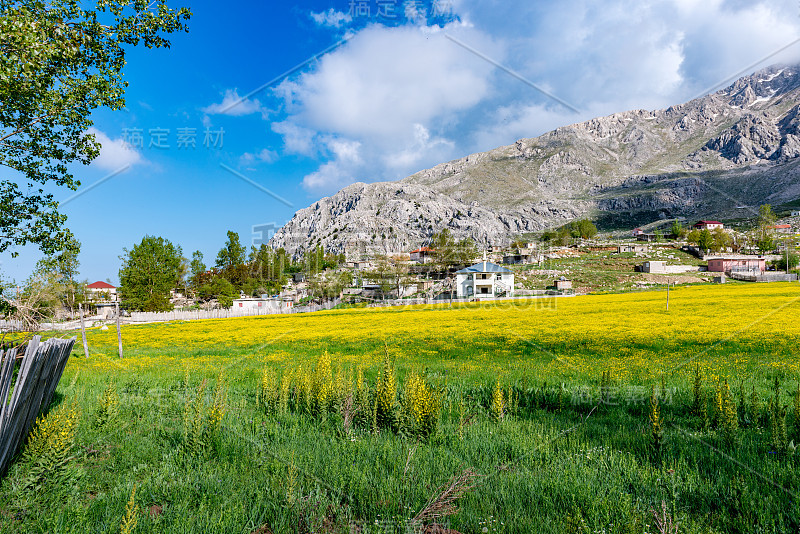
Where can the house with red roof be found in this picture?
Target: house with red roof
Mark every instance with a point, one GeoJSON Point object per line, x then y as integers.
{"type": "Point", "coordinates": [101, 291]}
{"type": "Point", "coordinates": [422, 255]}
{"type": "Point", "coordinates": [708, 225]}
{"type": "Point", "coordinates": [782, 228]}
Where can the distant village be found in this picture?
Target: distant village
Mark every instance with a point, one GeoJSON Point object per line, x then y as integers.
{"type": "Point", "coordinates": [706, 251]}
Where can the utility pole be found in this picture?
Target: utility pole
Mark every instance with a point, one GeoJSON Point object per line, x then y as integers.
{"type": "Point", "coordinates": [119, 332]}
{"type": "Point", "coordinates": [667, 294]}
{"type": "Point", "coordinates": [786, 246]}
{"type": "Point", "coordinates": [83, 332]}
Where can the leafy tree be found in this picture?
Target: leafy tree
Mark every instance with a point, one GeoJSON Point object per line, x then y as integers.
{"type": "Point", "coordinates": [763, 236]}
{"type": "Point", "coordinates": [677, 229]}
{"type": "Point", "coordinates": [465, 252]}
{"type": "Point", "coordinates": [583, 228]}
{"type": "Point", "coordinates": [37, 300]}
{"type": "Point", "coordinates": [449, 252]}
{"type": "Point", "coordinates": [218, 288]}
{"type": "Point", "coordinates": [231, 260]}
{"type": "Point", "coordinates": [766, 217]}
{"type": "Point", "coordinates": [60, 60]}
{"type": "Point", "coordinates": [763, 240]}
{"type": "Point", "coordinates": [721, 240]}
{"type": "Point", "coordinates": [267, 269]}
{"type": "Point", "coordinates": [519, 243]}
{"type": "Point", "coordinates": [64, 266]}
{"type": "Point", "coordinates": [232, 254]}
{"type": "Point", "coordinates": [792, 260]}
{"type": "Point", "coordinates": [196, 267]}
{"type": "Point", "coordinates": [387, 273]}
{"type": "Point", "coordinates": [548, 235]}
{"type": "Point", "coordinates": [330, 284]}
{"type": "Point", "coordinates": [705, 241]}
{"type": "Point", "coordinates": [149, 271]}
{"type": "Point", "coordinates": [314, 261]}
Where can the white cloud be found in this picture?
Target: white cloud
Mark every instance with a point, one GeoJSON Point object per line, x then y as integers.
{"type": "Point", "coordinates": [265, 155]}
{"type": "Point", "coordinates": [331, 18]}
{"type": "Point", "coordinates": [296, 139]}
{"type": "Point", "coordinates": [234, 105]}
{"type": "Point", "coordinates": [410, 156]}
{"type": "Point", "coordinates": [381, 92]}
{"type": "Point", "coordinates": [386, 79]}
{"type": "Point", "coordinates": [114, 153]}
{"type": "Point", "coordinates": [338, 172]}
{"type": "Point", "coordinates": [408, 97]}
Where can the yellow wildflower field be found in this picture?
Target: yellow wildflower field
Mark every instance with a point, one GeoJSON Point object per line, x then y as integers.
{"type": "Point", "coordinates": [735, 330]}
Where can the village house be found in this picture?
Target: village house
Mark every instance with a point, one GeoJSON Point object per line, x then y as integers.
{"type": "Point", "coordinates": [708, 225]}
{"type": "Point", "coordinates": [782, 228]}
{"type": "Point", "coordinates": [359, 265]}
{"type": "Point", "coordinates": [422, 255]}
{"type": "Point", "coordinates": [484, 279]}
{"type": "Point", "coordinates": [562, 284]}
{"type": "Point", "coordinates": [654, 267]}
{"type": "Point", "coordinates": [523, 256]}
{"type": "Point", "coordinates": [737, 264]}
{"type": "Point", "coordinates": [634, 248]}
{"type": "Point", "coordinates": [101, 291]}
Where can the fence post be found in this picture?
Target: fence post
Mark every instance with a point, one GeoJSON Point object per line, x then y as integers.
{"type": "Point", "coordinates": [83, 332]}
{"type": "Point", "coordinates": [119, 331]}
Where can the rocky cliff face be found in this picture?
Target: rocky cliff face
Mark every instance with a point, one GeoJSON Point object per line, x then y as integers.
{"type": "Point", "coordinates": [710, 157]}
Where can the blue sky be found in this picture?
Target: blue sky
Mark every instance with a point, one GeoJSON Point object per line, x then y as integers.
{"type": "Point", "coordinates": [412, 85]}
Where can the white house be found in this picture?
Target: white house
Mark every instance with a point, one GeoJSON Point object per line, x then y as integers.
{"type": "Point", "coordinates": [101, 291]}
{"type": "Point", "coordinates": [485, 279]}
{"type": "Point", "coordinates": [708, 225]}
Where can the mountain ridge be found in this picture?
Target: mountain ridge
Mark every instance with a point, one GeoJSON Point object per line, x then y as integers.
{"type": "Point", "coordinates": [694, 159]}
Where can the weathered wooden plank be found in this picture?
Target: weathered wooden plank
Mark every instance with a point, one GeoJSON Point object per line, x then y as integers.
{"type": "Point", "coordinates": [5, 384]}
{"type": "Point", "coordinates": [40, 371]}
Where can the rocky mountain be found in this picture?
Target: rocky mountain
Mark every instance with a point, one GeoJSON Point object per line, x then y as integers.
{"type": "Point", "coordinates": [720, 155]}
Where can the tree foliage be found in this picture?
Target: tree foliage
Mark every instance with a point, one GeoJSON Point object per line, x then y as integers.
{"type": "Point", "coordinates": [59, 61]}
{"type": "Point", "coordinates": [763, 237]}
{"type": "Point", "coordinates": [232, 254]}
{"type": "Point", "coordinates": [677, 229]}
{"type": "Point", "coordinates": [196, 268]}
{"type": "Point", "coordinates": [218, 288]}
{"type": "Point", "coordinates": [448, 252]}
{"type": "Point", "coordinates": [149, 271]}
{"type": "Point", "coordinates": [792, 262]}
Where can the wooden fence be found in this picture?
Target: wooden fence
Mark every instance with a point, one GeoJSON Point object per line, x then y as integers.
{"type": "Point", "coordinates": [226, 313]}
{"type": "Point", "coordinates": [32, 391]}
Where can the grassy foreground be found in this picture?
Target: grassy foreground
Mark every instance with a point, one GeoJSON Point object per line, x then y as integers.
{"type": "Point", "coordinates": [578, 414]}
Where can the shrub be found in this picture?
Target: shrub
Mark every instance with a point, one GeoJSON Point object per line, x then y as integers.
{"type": "Point", "coordinates": [47, 455]}
{"type": "Point", "coordinates": [420, 407]}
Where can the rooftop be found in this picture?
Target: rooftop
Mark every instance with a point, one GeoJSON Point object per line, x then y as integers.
{"type": "Point", "coordinates": [735, 257]}
{"type": "Point", "coordinates": [484, 267]}
{"type": "Point", "coordinates": [101, 285]}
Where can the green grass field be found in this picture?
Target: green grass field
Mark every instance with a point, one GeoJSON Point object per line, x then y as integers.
{"type": "Point", "coordinates": [262, 424]}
